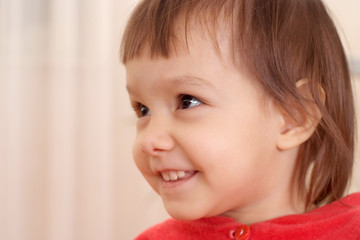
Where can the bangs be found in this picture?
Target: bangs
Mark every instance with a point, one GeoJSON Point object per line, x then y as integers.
{"type": "Point", "coordinates": [164, 27]}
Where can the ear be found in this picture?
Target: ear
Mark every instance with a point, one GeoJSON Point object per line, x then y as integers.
{"type": "Point", "coordinates": [292, 132]}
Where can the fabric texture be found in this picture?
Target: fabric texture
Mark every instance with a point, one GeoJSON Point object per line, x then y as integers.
{"type": "Point", "coordinates": [339, 220]}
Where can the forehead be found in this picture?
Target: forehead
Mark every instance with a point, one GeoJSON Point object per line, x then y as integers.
{"type": "Point", "coordinates": [193, 40]}
{"type": "Point", "coordinates": [197, 50]}
{"type": "Point", "coordinates": [180, 66]}
{"type": "Point", "coordinates": [200, 67]}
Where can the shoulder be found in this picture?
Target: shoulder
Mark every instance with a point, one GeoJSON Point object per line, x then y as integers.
{"type": "Point", "coordinates": [342, 218]}
{"type": "Point", "coordinates": [353, 198]}
{"type": "Point", "coordinates": [347, 207]}
{"type": "Point", "coordinates": [337, 220]}
{"type": "Point", "coordinates": [351, 206]}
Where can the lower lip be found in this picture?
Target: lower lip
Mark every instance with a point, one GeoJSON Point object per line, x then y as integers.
{"type": "Point", "coordinates": [177, 183]}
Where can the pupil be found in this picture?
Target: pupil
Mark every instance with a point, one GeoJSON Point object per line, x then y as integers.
{"type": "Point", "coordinates": [143, 110]}
{"type": "Point", "coordinates": [187, 101]}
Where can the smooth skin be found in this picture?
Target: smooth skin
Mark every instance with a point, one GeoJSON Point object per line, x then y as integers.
{"type": "Point", "coordinates": [198, 114]}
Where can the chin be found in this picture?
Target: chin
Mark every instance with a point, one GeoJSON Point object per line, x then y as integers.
{"type": "Point", "coordinates": [187, 214]}
{"type": "Point", "coordinates": [184, 215]}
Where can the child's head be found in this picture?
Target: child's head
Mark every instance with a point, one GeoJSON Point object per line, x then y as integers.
{"type": "Point", "coordinates": [243, 102]}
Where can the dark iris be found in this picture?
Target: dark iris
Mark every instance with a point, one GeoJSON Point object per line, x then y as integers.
{"type": "Point", "coordinates": [188, 101]}
{"type": "Point", "coordinates": [144, 111]}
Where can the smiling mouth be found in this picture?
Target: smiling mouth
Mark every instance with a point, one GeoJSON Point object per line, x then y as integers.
{"type": "Point", "coordinates": [172, 176]}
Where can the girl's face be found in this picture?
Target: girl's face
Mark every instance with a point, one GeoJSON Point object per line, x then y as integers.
{"type": "Point", "coordinates": [206, 136]}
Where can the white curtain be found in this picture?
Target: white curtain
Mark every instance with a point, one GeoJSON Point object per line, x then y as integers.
{"type": "Point", "coordinates": [66, 127]}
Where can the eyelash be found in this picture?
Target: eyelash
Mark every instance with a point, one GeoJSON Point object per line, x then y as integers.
{"type": "Point", "coordinates": [141, 110]}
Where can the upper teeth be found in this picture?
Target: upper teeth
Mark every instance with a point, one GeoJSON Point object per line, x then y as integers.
{"type": "Point", "coordinates": [172, 175]}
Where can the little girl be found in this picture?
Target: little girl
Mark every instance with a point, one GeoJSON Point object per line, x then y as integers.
{"type": "Point", "coordinates": [245, 118]}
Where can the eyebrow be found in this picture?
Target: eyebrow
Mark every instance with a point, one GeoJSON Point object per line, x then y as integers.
{"type": "Point", "coordinates": [183, 80]}
{"type": "Point", "coordinates": [189, 80]}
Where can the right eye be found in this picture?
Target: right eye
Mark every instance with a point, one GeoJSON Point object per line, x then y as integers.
{"type": "Point", "coordinates": [142, 110]}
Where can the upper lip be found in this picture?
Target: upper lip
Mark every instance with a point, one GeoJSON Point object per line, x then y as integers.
{"type": "Point", "coordinates": [159, 171]}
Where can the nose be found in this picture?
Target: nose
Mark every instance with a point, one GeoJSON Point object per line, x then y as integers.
{"type": "Point", "coordinates": [156, 138]}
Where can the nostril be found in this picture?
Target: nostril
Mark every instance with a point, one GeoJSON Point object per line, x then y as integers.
{"type": "Point", "coordinates": [158, 149]}
{"type": "Point", "coordinates": [147, 147]}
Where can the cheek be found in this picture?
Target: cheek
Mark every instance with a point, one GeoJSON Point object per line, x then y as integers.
{"type": "Point", "coordinates": [205, 145]}
{"type": "Point", "coordinates": [235, 142]}
{"type": "Point", "coordinates": [138, 155]}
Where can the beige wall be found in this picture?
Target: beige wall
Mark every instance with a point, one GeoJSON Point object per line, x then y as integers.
{"type": "Point", "coordinates": [347, 19]}
{"type": "Point", "coordinates": [346, 16]}
{"type": "Point", "coordinates": [66, 127]}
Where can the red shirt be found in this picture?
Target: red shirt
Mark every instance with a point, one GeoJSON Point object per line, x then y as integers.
{"type": "Point", "coordinates": [339, 220]}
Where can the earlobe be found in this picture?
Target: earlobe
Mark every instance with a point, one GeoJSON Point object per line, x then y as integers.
{"type": "Point", "coordinates": [294, 132]}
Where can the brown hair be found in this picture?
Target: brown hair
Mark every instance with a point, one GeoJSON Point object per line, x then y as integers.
{"type": "Point", "coordinates": [279, 42]}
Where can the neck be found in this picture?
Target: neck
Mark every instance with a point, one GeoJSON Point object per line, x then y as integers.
{"type": "Point", "coordinates": [276, 205]}
{"type": "Point", "coordinates": [282, 201]}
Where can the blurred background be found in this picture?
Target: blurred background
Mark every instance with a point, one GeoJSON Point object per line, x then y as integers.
{"type": "Point", "coordinates": [66, 128]}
